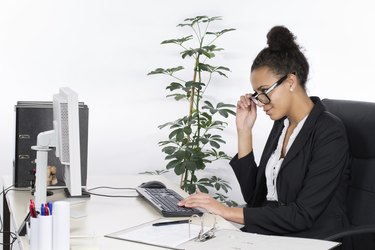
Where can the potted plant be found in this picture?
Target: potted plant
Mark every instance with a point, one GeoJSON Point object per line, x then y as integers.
{"type": "Point", "coordinates": [194, 141]}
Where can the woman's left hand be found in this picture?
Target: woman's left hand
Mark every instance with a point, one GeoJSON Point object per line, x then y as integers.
{"type": "Point", "coordinates": [203, 200]}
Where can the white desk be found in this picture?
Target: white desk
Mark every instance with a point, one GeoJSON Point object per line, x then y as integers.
{"type": "Point", "coordinates": [101, 215]}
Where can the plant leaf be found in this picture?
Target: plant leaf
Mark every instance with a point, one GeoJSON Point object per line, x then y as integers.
{"type": "Point", "coordinates": [178, 41]}
{"type": "Point", "coordinates": [169, 71]}
{"type": "Point", "coordinates": [172, 164]}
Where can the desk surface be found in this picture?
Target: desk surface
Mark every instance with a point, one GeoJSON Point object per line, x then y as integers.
{"type": "Point", "coordinates": [93, 218]}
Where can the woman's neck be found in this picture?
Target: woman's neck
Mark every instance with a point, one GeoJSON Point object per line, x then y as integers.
{"type": "Point", "coordinates": [302, 106]}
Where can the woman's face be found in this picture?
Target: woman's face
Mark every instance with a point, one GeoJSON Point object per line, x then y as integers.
{"type": "Point", "coordinates": [261, 80]}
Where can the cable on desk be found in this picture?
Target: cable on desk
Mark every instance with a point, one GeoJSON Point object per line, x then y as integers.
{"type": "Point", "coordinates": [13, 236]}
{"type": "Point", "coordinates": [112, 196]}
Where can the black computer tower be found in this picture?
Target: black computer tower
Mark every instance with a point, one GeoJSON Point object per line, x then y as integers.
{"type": "Point", "coordinates": [33, 117]}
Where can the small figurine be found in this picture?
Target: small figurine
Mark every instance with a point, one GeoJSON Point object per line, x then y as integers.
{"type": "Point", "coordinates": [51, 176]}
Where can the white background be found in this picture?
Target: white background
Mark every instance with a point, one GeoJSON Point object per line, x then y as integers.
{"type": "Point", "coordinates": [103, 49]}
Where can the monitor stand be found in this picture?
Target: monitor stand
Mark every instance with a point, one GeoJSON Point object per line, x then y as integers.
{"type": "Point", "coordinates": [84, 194]}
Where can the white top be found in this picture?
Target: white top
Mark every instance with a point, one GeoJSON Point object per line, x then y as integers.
{"type": "Point", "coordinates": [275, 161]}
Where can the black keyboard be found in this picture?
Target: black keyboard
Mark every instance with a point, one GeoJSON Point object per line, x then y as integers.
{"type": "Point", "coordinates": [165, 201]}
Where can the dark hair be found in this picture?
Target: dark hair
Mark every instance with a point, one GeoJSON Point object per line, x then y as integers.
{"type": "Point", "coordinates": [283, 55]}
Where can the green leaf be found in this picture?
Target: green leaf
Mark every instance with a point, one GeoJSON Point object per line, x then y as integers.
{"type": "Point", "coordinates": [208, 104]}
{"type": "Point", "coordinates": [214, 144]}
{"type": "Point", "coordinates": [190, 188]}
{"type": "Point", "coordinates": [215, 18]}
{"type": "Point", "coordinates": [223, 105]}
{"type": "Point", "coordinates": [213, 111]}
{"type": "Point", "coordinates": [179, 169]}
{"type": "Point", "coordinates": [187, 130]}
{"type": "Point", "coordinates": [178, 97]}
{"type": "Point", "coordinates": [204, 140]}
{"type": "Point", "coordinates": [169, 157]}
{"type": "Point", "coordinates": [189, 52]}
{"type": "Point", "coordinates": [180, 135]}
{"type": "Point", "coordinates": [174, 85]}
{"type": "Point", "coordinates": [192, 21]}
{"type": "Point", "coordinates": [203, 188]}
{"type": "Point", "coordinates": [169, 150]}
{"type": "Point", "coordinates": [169, 71]}
{"type": "Point", "coordinates": [223, 113]}
{"type": "Point", "coordinates": [219, 33]}
{"type": "Point", "coordinates": [190, 165]}
{"type": "Point", "coordinates": [180, 154]}
{"type": "Point", "coordinates": [172, 164]}
{"type": "Point", "coordinates": [155, 172]}
{"type": "Point", "coordinates": [198, 85]}
{"type": "Point", "coordinates": [230, 111]}
{"type": "Point", "coordinates": [178, 41]}
{"type": "Point", "coordinates": [174, 133]}
{"type": "Point", "coordinates": [207, 116]}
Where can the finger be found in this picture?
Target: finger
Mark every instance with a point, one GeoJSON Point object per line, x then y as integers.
{"type": "Point", "coordinates": [197, 203]}
{"type": "Point", "coordinates": [244, 102]}
{"type": "Point", "coordinates": [186, 200]}
{"type": "Point", "coordinates": [253, 106]}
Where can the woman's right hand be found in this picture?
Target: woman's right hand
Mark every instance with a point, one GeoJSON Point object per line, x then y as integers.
{"type": "Point", "coordinates": [246, 114]}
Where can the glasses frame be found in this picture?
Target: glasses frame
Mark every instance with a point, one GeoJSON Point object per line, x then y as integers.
{"type": "Point", "coordinates": [255, 97]}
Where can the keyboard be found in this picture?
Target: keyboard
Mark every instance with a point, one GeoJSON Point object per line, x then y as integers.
{"type": "Point", "coordinates": [165, 201]}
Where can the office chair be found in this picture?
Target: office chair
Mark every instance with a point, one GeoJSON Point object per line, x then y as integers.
{"type": "Point", "coordinates": [359, 120]}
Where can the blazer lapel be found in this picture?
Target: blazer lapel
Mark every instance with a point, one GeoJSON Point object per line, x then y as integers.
{"type": "Point", "coordinates": [304, 134]}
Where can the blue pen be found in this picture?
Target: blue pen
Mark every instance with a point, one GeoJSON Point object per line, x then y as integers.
{"type": "Point", "coordinates": [42, 209]}
{"type": "Point", "coordinates": [50, 208]}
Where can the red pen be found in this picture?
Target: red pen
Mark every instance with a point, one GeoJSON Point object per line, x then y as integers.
{"type": "Point", "coordinates": [32, 209]}
{"type": "Point", "coordinates": [46, 209]}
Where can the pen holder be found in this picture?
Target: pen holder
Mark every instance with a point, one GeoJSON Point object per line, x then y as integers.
{"type": "Point", "coordinates": [61, 225]}
{"type": "Point", "coordinates": [45, 232]}
{"type": "Point", "coordinates": [34, 232]}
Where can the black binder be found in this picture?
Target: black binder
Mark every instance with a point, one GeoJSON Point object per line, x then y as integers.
{"type": "Point", "coordinates": [33, 117]}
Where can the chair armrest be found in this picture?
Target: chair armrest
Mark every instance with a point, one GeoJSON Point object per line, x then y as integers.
{"type": "Point", "coordinates": [352, 231]}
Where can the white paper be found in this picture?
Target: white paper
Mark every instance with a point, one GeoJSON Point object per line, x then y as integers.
{"type": "Point", "coordinates": [230, 239]}
{"type": "Point", "coordinates": [167, 236]}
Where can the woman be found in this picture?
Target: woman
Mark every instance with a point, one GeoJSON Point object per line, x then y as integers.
{"type": "Point", "coordinates": [299, 187]}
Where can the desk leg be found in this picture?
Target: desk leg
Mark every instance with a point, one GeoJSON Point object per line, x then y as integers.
{"type": "Point", "coordinates": [6, 224]}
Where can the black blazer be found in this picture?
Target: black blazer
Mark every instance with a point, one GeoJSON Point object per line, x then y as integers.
{"type": "Point", "coordinates": [311, 183]}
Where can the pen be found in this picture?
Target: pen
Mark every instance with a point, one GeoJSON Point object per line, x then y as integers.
{"type": "Point", "coordinates": [170, 223]}
{"type": "Point", "coordinates": [50, 208]}
{"type": "Point", "coordinates": [42, 209]}
{"type": "Point", "coordinates": [32, 209]}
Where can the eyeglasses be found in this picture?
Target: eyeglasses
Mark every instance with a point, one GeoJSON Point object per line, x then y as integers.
{"type": "Point", "coordinates": [263, 98]}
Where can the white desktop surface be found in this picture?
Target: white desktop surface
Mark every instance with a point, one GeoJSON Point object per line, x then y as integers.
{"type": "Point", "coordinates": [99, 216]}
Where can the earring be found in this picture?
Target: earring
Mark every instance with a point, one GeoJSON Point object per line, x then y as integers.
{"type": "Point", "coordinates": [291, 89]}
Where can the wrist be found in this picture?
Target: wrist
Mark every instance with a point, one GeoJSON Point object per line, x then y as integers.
{"type": "Point", "coordinates": [234, 214]}
{"type": "Point", "coordinates": [245, 144]}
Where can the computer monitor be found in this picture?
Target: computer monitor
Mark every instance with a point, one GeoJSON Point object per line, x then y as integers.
{"type": "Point", "coordinates": [66, 140]}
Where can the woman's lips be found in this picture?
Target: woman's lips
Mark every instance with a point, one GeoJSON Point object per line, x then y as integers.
{"type": "Point", "coordinates": [267, 111]}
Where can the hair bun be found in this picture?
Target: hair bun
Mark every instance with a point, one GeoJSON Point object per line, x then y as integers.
{"type": "Point", "coordinates": [280, 38]}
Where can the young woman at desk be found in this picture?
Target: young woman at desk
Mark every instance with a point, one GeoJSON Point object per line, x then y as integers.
{"type": "Point", "coordinates": [299, 187]}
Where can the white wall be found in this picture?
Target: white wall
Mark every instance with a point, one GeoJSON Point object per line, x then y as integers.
{"type": "Point", "coordinates": [103, 49]}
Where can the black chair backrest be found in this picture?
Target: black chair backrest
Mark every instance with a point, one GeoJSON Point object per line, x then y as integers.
{"type": "Point", "coordinates": [359, 120]}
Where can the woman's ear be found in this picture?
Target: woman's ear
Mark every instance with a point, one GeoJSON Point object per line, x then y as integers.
{"type": "Point", "coordinates": [292, 80]}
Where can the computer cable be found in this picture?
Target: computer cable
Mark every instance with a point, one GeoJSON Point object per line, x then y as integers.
{"type": "Point", "coordinates": [12, 235]}
{"type": "Point", "coordinates": [112, 196]}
